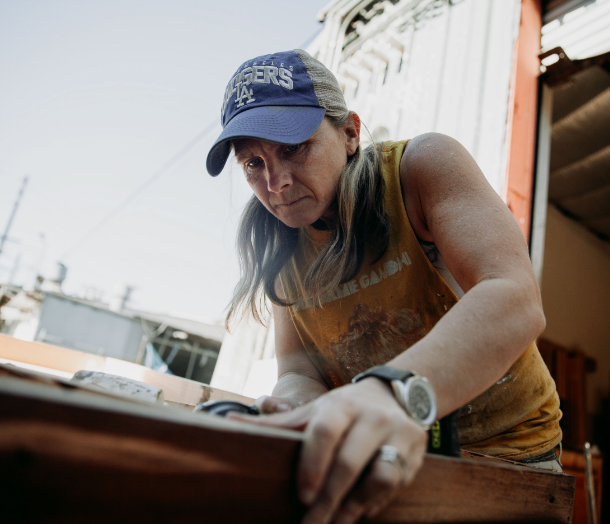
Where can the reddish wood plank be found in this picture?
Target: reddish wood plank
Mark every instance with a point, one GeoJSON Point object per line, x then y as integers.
{"type": "Point", "coordinates": [475, 491]}
{"type": "Point", "coordinates": [73, 456]}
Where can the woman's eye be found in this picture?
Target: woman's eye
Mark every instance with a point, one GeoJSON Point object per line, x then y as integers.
{"type": "Point", "coordinates": [292, 148]}
{"type": "Point", "coordinates": [253, 163]}
{"type": "Point", "coordinates": [252, 169]}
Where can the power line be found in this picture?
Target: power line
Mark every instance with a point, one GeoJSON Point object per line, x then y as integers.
{"type": "Point", "coordinates": [153, 178]}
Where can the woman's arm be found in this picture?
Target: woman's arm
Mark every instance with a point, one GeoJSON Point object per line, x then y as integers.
{"type": "Point", "coordinates": [299, 381]}
{"type": "Point", "coordinates": [449, 202]}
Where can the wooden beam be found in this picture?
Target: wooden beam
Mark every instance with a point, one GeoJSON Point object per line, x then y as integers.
{"type": "Point", "coordinates": [72, 456]}
{"type": "Point", "coordinates": [522, 115]}
{"type": "Point", "coordinates": [175, 389]}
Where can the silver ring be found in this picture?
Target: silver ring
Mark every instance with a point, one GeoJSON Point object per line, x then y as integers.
{"type": "Point", "coordinates": [391, 454]}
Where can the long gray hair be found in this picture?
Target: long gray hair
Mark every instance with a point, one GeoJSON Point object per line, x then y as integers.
{"type": "Point", "coordinates": [265, 244]}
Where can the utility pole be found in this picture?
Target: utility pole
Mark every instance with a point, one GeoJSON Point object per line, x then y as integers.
{"type": "Point", "coordinates": [13, 212]}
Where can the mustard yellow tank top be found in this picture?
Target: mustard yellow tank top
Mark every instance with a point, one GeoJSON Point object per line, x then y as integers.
{"type": "Point", "coordinates": [393, 303]}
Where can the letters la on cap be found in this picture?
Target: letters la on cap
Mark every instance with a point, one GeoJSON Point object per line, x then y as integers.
{"type": "Point", "coordinates": [272, 98]}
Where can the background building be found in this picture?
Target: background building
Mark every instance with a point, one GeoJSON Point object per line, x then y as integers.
{"type": "Point", "coordinates": [181, 346]}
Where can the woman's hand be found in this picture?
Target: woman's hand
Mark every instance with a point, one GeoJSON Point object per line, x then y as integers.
{"type": "Point", "coordinates": [268, 405]}
{"type": "Point", "coordinates": [344, 430]}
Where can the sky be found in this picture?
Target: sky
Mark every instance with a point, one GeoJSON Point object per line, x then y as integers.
{"type": "Point", "coordinates": [95, 98]}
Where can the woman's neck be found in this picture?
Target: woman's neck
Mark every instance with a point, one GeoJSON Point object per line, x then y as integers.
{"type": "Point", "coordinates": [320, 225]}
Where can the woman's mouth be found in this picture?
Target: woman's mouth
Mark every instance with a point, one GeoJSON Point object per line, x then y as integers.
{"type": "Point", "coordinates": [293, 202]}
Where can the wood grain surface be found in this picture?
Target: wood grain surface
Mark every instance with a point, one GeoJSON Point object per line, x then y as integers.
{"type": "Point", "coordinates": [68, 455]}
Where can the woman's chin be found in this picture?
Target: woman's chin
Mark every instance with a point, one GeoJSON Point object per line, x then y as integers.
{"type": "Point", "coordinates": [298, 221]}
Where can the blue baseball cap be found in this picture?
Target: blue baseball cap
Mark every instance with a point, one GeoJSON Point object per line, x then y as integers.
{"type": "Point", "coordinates": [281, 97]}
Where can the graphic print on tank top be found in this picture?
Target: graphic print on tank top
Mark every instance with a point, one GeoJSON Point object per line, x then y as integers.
{"type": "Point", "coordinates": [375, 335]}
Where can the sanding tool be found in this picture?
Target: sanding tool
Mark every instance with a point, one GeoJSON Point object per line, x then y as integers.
{"type": "Point", "coordinates": [222, 407]}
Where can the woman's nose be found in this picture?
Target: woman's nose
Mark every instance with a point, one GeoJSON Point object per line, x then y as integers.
{"type": "Point", "coordinates": [279, 178]}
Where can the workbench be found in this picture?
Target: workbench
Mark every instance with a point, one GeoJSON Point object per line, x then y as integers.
{"type": "Point", "coordinates": [69, 454]}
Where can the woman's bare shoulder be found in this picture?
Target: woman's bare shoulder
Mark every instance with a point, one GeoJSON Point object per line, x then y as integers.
{"type": "Point", "coordinates": [415, 163]}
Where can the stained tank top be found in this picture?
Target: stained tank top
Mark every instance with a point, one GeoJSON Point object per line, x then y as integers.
{"type": "Point", "coordinates": [393, 303]}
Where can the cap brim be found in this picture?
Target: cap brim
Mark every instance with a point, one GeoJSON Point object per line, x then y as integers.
{"type": "Point", "coordinates": [280, 124]}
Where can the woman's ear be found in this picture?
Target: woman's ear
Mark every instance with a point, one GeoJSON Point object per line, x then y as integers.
{"type": "Point", "coordinates": [351, 129]}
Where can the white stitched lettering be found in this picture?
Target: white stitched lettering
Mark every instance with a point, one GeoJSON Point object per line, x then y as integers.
{"type": "Point", "coordinates": [271, 74]}
{"type": "Point", "coordinates": [245, 93]}
{"type": "Point", "coordinates": [286, 77]}
{"type": "Point", "coordinates": [247, 75]}
{"type": "Point", "coordinates": [257, 75]}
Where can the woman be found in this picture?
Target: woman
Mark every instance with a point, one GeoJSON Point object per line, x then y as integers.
{"type": "Point", "coordinates": [347, 246]}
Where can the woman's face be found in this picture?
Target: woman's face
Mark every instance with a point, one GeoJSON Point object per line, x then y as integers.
{"type": "Point", "coordinates": [298, 183]}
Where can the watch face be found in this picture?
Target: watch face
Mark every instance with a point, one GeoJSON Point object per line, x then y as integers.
{"type": "Point", "coordinates": [420, 403]}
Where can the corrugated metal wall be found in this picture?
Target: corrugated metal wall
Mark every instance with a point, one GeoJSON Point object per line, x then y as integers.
{"type": "Point", "coordinates": [429, 65]}
{"type": "Point", "coordinates": [583, 32]}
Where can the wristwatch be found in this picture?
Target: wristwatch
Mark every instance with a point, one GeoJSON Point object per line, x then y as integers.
{"type": "Point", "coordinates": [412, 391]}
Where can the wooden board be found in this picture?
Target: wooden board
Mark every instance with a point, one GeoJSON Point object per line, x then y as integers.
{"type": "Point", "coordinates": [75, 456]}
{"type": "Point", "coordinates": [175, 389]}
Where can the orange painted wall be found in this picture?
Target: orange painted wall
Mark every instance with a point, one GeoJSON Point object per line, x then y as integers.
{"type": "Point", "coordinates": [523, 116]}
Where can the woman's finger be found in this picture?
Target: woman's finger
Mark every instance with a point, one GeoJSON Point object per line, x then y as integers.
{"type": "Point", "coordinates": [325, 424]}
{"type": "Point", "coordinates": [375, 494]}
{"type": "Point", "coordinates": [376, 489]}
{"type": "Point", "coordinates": [395, 462]}
{"type": "Point", "coordinates": [412, 467]}
{"type": "Point", "coordinates": [296, 419]}
{"type": "Point", "coordinates": [323, 436]}
{"type": "Point", "coordinates": [365, 437]}
{"type": "Point", "coordinates": [268, 405]}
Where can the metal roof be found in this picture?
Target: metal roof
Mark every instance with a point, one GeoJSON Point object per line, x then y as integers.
{"type": "Point", "coordinates": [579, 179]}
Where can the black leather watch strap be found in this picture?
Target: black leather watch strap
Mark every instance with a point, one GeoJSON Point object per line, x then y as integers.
{"type": "Point", "coordinates": [385, 373]}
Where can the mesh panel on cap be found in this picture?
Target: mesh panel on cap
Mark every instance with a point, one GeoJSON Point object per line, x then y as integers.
{"type": "Point", "coordinates": [325, 84]}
